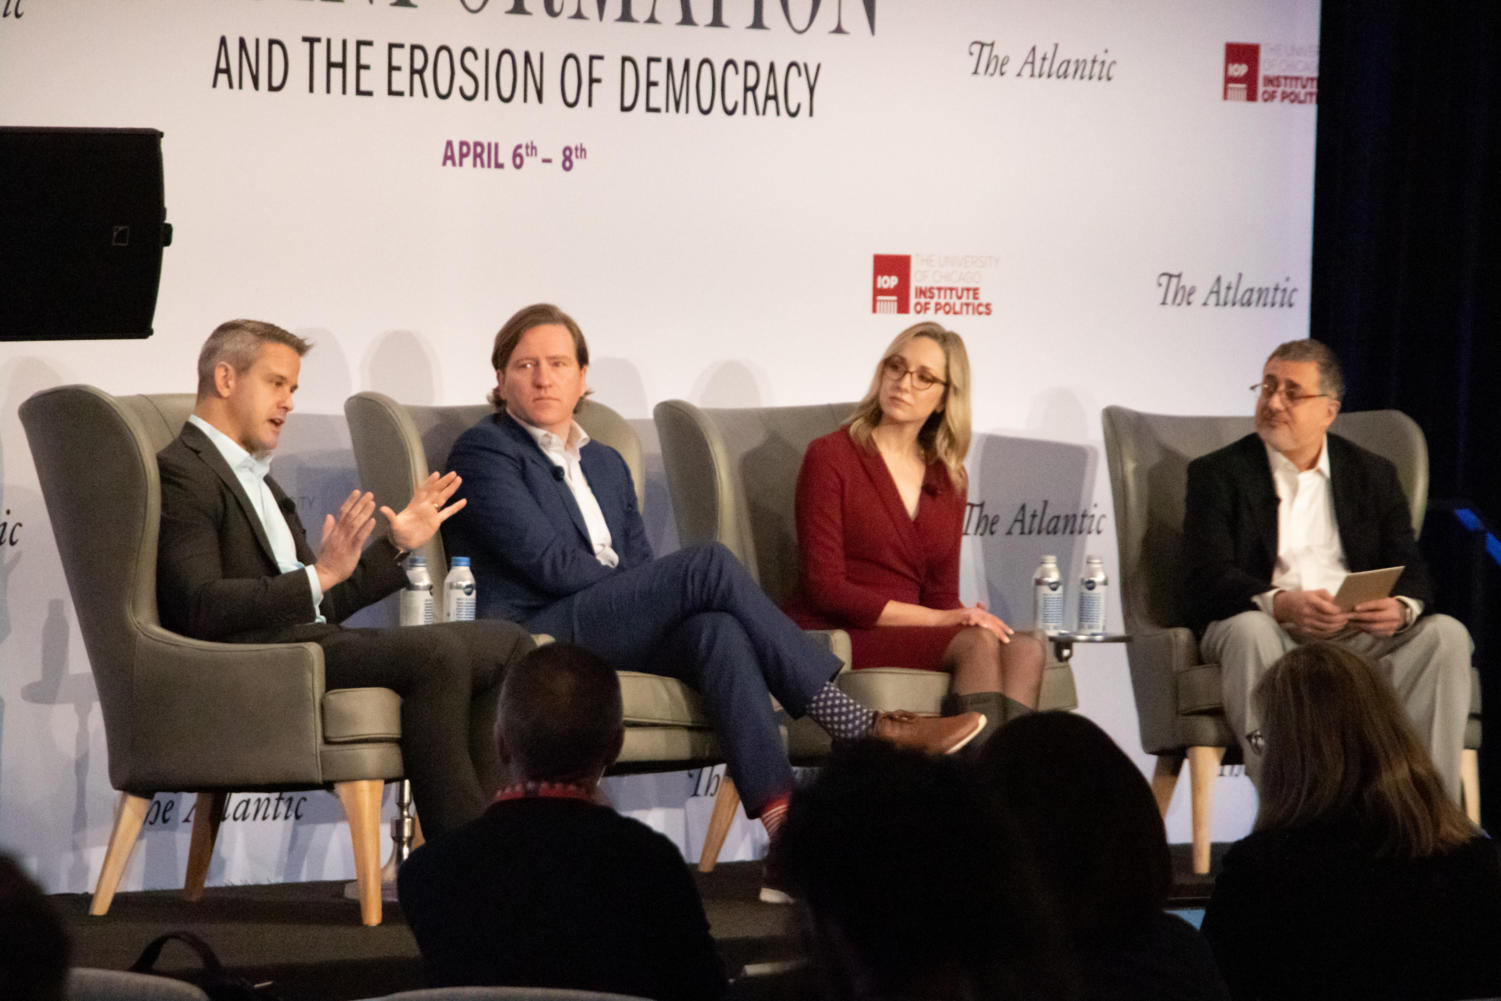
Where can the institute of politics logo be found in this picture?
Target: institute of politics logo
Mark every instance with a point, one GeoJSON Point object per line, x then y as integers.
{"type": "Point", "coordinates": [1242, 70]}
{"type": "Point", "coordinates": [933, 284]}
{"type": "Point", "coordinates": [1271, 73]}
{"type": "Point", "coordinates": [892, 283]}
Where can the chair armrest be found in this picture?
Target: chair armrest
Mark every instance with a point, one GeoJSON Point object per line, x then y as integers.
{"type": "Point", "coordinates": [1156, 657]}
{"type": "Point", "coordinates": [231, 715]}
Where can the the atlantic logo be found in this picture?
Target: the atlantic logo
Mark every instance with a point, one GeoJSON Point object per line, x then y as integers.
{"type": "Point", "coordinates": [931, 284]}
{"type": "Point", "coordinates": [8, 530]}
{"type": "Point", "coordinates": [1267, 74]}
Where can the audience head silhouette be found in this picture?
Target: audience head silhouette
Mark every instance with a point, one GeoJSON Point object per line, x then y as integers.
{"type": "Point", "coordinates": [916, 885]}
{"type": "Point", "coordinates": [1089, 816]}
{"type": "Point", "coordinates": [1339, 748]}
{"type": "Point", "coordinates": [560, 717]}
{"type": "Point", "coordinates": [34, 949]}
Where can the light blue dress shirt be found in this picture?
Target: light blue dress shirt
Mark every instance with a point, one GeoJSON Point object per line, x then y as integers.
{"type": "Point", "coordinates": [251, 472]}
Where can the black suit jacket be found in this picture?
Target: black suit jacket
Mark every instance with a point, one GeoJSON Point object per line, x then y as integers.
{"type": "Point", "coordinates": [216, 576]}
{"type": "Point", "coordinates": [1230, 525]}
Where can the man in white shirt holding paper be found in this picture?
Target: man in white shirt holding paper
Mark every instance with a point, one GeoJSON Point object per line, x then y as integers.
{"type": "Point", "coordinates": [1272, 525]}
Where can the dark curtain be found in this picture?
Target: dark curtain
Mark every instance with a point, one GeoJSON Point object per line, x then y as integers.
{"type": "Point", "coordinates": [1407, 270]}
{"type": "Point", "coordinates": [1407, 223]}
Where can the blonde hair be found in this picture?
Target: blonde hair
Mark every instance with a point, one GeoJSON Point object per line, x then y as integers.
{"type": "Point", "coordinates": [1340, 748]}
{"type": "Point", "coordinates": [945, 435]}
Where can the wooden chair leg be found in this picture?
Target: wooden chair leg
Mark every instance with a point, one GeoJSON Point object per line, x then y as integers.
{"type": "Point", "coordinates": [1203, 768]}
{"type": "Point", "coordinates": [361, 801]}
{"type": "Point", "coordinates": [1165, 780]}
{"type": "Point", "coordinates": [726, 802]}
{"type": "Point", "coordinates": [1469, 782]}
{"type": "Point", "coordinates": [208, 814]}
{"type": "Point", "coordinates": [130, 814]}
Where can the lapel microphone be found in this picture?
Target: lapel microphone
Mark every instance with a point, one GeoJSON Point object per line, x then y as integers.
{"type": "Point", "coordinates": [557, 473]}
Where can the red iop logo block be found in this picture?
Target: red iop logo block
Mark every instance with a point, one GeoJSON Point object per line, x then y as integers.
{"type": "Point", "coordinates": [892, 284]}
{"type": "Point", "coordinates": [1242, 70]}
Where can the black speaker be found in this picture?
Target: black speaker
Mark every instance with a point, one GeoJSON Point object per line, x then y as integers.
{"type": "Point", "coordinates": [82, 227]}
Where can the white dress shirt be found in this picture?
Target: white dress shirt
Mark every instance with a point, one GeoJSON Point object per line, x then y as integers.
{"type": "Point", "coordinates": [565, 456]}
{"type": "Point", "coordinates": [251, 471]}
{"type": "Point", "coordinates": [1310, 555]}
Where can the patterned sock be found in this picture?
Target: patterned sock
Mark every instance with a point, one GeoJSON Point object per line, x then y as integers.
{"type": "Point", "coordinates": [773, 813]}
{"type": "Point", "coordinates": [841, 716]}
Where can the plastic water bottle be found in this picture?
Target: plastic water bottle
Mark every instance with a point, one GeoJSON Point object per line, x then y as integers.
{"type": "Point", "coordinates": [458, 592]}
{"type": "Point", "coordinates": [1047, 596]}
{"type": "Point", "coordinates": [1092, 589]}
{"type": "Point", "coordinates": [417, 597]}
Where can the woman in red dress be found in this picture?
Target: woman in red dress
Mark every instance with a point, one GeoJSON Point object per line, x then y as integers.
{"type": "Point", "coordinates": [880, 512]}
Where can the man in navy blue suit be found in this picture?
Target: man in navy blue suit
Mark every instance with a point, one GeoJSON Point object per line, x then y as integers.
{"type": "Point", "coordinates": [556, 542]}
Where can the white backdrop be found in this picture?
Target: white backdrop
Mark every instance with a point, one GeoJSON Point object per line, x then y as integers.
{"type": "Point", "coordinates": [1084, 189]}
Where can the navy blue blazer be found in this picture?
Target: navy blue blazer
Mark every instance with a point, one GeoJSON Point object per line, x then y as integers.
{"type": "Point", "coordinates": [522, 529]}
{"type": "Point", "coordinates": [1230, 525]}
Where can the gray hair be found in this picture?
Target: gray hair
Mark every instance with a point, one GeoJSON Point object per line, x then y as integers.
{"type": "Point", "coordinates": [238, 342]}
{"type": "Point", "coordinates": [1331, 378]}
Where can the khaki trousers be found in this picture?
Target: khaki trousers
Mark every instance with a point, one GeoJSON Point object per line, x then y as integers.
{"type": "Point", "coordinates": [1428, 664]}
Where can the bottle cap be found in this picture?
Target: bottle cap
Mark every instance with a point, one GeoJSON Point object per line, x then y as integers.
{"type": "Point", "coordinates": [1050, 559]}
{"type": "Point", "coordinates": [416, 561]}
{"type": "Point", "coordinates": [460, 561]}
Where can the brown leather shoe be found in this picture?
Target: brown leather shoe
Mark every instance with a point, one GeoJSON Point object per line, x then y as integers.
{"type": "Point", "coordinates": [929, 734]}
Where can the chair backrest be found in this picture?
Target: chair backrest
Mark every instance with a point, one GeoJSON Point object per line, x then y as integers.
{"type": "Point", "coordinates": [95, 456]}
{"type": "Point", "coordinates": [90, 984]}
{"type": "Point", "coordinates": [732, 474]}
{"type": "Point", "coordinates": [1148, 457]}
{"type": "Point", "coordinates": [504, 994]}
{"type": "Point", "coordinates": [396, 446]}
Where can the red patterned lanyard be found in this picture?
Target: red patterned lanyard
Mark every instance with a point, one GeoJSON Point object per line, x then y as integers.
{"type": "Point", "coordinates": [546, 790]}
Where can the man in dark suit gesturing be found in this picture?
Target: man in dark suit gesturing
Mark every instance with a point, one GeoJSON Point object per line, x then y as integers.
{"type": "Point", "coordinates": [557, 542]}
{"type": "Point", "coordinates": [1274, 522]}
{"type": "Point", "coordinates": [234, 565]}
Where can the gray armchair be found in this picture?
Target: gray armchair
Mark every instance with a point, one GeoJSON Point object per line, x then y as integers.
{"type": "Point", "coordinates": [504, 994]}
{"type": "Point", "coordinates": [90, 984]}
{"type": "Point", "coordinates": [396, 446]}
{"type": "Point", "coordinates": [1178, 696]}
{"type": "Point", "coordinates": [181, 714]}
{"type": "Point", "coordinates": [733, 477]}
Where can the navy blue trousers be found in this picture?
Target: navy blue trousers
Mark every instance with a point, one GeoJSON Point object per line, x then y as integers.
{"type": "Point", "coordinates": [697, 615]}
